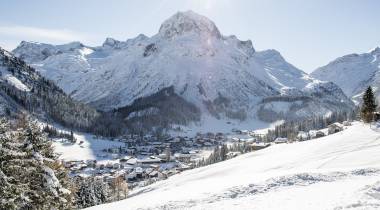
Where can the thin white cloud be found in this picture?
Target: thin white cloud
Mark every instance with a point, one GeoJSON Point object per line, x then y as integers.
{"type": "Point", "coordinates": [41, 33]}
{"type": "Point", "coordinates": [27, 33]}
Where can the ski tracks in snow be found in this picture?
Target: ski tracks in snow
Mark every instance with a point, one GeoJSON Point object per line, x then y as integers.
{"type": "Point", "coordinates": [282, 182]}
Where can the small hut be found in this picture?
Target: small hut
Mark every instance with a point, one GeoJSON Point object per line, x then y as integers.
{"type": "Point", "coordinates": [335, 128]}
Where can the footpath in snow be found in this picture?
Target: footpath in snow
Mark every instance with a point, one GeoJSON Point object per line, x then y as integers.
{"type": "Point", "coordinates": [334, 172]}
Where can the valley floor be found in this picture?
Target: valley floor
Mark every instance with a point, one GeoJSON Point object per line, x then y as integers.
{"type": "Point", "coordinates": [338, 171]}
{"type": "Point", "coordinates": [90, 149]}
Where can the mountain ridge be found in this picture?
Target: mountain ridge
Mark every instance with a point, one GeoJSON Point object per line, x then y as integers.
{"type": "Point", "coordinates": [353, 72]}
{"type": "Point", "coordinates": [221, 75]}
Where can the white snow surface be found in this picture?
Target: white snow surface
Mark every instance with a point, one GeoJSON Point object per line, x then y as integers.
{"type": "Point", "coordinates": [9, 78]}
{"type": "Point", "coordinates": [188, 53]}
{"type": "Point", "coordinates": [339, 171]}
{"type": "Point", "coordinates": [90, 149]}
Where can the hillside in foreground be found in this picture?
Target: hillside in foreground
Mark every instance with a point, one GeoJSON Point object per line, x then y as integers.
{"type": "Point", "coordinates": [334, 172]}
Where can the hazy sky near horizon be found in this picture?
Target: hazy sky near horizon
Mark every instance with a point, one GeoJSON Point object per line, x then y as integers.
{"type": "Point", "coordinates": [308, 34]}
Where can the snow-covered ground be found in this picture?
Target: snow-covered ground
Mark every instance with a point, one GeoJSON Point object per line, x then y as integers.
{"type": "Point", "coordinates": [211, 124]}
{"type": "Point", "coordinates": [334, 172]}
{"type": "Point", "coordinates": [7, 76]}
{"type": "Point", "coordinates": [90, 149]}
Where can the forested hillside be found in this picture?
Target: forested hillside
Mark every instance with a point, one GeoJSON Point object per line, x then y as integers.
{"type": "Point", "coordinates": [24, 89]}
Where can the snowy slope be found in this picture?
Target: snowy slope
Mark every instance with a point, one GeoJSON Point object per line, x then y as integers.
{"type": "Point", "coordinates": [7, 104]}
{"type": "Point", "coordinates": [90, 149]}
{"type": "Point", "coordinates": [334, 172]}
{"type": "Point", "coordinates": [221, 75]}
{"type": "Point", "coordinates": [23, 89]}
{"type": "Point", "coordinates": [353, 73]}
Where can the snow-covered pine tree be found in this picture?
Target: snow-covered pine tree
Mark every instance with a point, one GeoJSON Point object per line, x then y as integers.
{"type": "Point", "coordinates": [369, 105]}
{"type": "Point", "coordinates": [91, 192]}
{"type": "Point", "coordinates": [12, 191]}
{"type": "Point", "coordinates": [29, 170]}
{"type": "Point", "coordinates": [223, 152]}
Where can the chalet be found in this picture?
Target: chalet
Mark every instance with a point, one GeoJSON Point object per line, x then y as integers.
{"type": "Point", "coordinates": [153, 174]}
{"type": "Point", "coordinates": [99, 166]}
{"type": "Point", "coordinates": [109, 165]}
{"type": "Point", "coordinates": [155, 143]}
{"type": "Point", "coordinates": [189, 142]}
{"type": "Point", "coordinates": [346, 123]}
{"type": "Point", "coordinates": [116, 165]}
{"type": "Point", "coordinates": [155, 166]}
{"type": "Point", "coordinates": [280, 140]}
{"type": "Point", "coordinates": [149, 161]}
{"type": "Point", "coordinates": [183, 167]}
{"type": "Point", "coordinates": [235, 139]}
{"type": "Point", "coordinates": [249, 140]}
{"type": "Point", "coordinates": [244, 132]}
{"type": "Point", "coordinates": [90, 162]}
{"type": "Point", "coordinates": [130, 176]}
{"type": "Point", "coordinates": [175, 140]}
{"type": "Point", "coordinates": [302, 136]}
{"type": "Point", "coordinates": [125, 158]}
{"type": "Point", "coordinates": [182, 157]}
{"type": "Point", "coordinates": [208, 144]}
{"type": "Point", "coordinates": [139, 172]}
{"type": "Point", "coordinates": [170, 172]}
{"type": "Point", "coordinates": [319, 134]}
{"type": "Point", "coordinates": [193, 152]}
{"type": "Point", "coordinates": [233, 154]}
{"type": "Point", "coordinates": [163, 156]}
{"type": "Point", "coordinates": [146, 153]}
{"type": "Point", "coordinates": [132, 161]}
{"type": "Point", "coordinates": [259, 146]}
{"type": "Point", "coordinates": [148, 170]}
{"type": "Point", "coordinates": [334, 128]}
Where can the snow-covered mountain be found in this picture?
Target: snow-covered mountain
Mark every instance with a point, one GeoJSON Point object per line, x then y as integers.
{"type": "Point", "coordinates": [338, 171]}
{"type": "Point", "coordinates": [220, 75]}
{"type": "Point", "coordinates": [24, 90]}
{"type": "Point", "coordinates": [353, 73]}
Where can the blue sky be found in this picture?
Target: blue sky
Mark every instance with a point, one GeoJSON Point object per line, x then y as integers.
{"type": "Point", "coordinates": [308, 33]}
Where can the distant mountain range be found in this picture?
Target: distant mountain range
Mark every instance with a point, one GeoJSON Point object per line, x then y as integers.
{"type": "Point", "coordinates": [353, 73]}
{"type": "Point", "coordinates": [186, 72]}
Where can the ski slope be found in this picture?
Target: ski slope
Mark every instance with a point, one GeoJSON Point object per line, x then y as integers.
{"type": "Point", "coordinates": [338, 171]}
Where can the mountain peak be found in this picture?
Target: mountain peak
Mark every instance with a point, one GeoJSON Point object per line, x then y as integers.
{"type": "Point", "coordinates": [110, 42]}
{"type": "Point", "coordinates": [270, 54]}
{"type": "Point", "coordinates": [189, 22]}
{"type": "Point", "coordinates": [375, 50]}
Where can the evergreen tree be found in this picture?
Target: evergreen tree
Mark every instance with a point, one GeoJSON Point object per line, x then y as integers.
{"type": "Point", "coordinates": [91, 192]}
{"type": "Point", "coordinates": [223, 152]}
{"type": "Point", "coordinates": [369, 105]}
{"type": "Point", "coordinates": [30, 176]}
{"type": "Point", "coordinates": [12, 191]}
{"type": "Point", "coordinates": [72, 138]}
